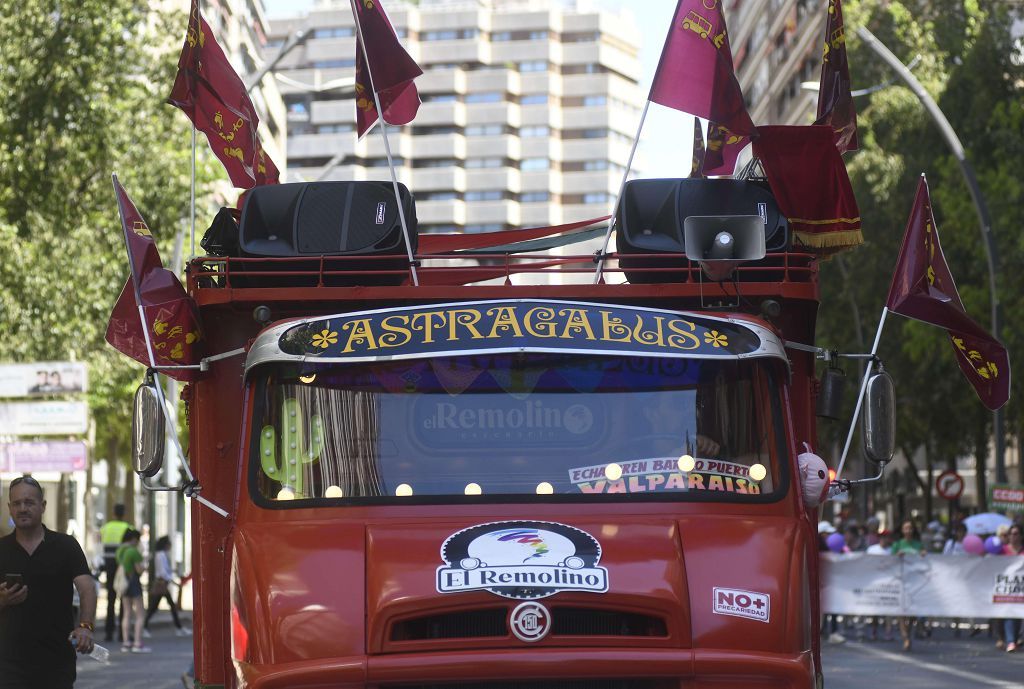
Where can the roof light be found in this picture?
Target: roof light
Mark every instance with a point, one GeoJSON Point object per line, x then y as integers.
{"type": "Point", "coordinates": [545, 488]}
{"type": "Point", "coordinates": [613, 472]}
{"type": "Point", "coordinates": [285, 494]}
{"type": "Point", "coordinates": [758, 472]}
{"type": "Point", "coordinates": [473, 489]}
{"type": "Point", "coordinates": [334, 492]}
{"type": "Point", "coordinates": [403, 490]}
{"type": "Point", "coordinates": [686, 464]}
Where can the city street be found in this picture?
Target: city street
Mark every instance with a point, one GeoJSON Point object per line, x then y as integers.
{"type": "Point", "coordinates": [941, 662]}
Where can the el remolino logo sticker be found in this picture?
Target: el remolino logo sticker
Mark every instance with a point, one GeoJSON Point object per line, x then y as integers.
{"type": "Point", "coordinates": [525, 560]}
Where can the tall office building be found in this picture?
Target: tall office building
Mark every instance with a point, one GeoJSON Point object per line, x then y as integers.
{"type": "Point", "coordinates": [776, 46]}
{"type": "Point", "coordinates": [529, 109]}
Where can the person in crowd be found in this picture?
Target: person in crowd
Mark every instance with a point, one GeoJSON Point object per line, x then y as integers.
{"type": "Point", "coordinates": [883, 547]}
{"type": "Point", "coordinates": [111, 535]}
{"type": "Point", "coordinates": [41, 569]}
{"type": "Point", "coordinates": [130, 559]}
{"type": "Point", "coordinates": [854, 537]}
{"type": "Point", "coordinates": [871, 528]}
{"type": "Point", "coordinates": [1013, 544]}
{"type": "Point", "coordinates": [830, 623]}
{"type": "Point", "coordinates": [955, 543]}
{"type": "Point", "coordinates": [909, 544]}
{"type": "Point", "coordinates": [159, 589]}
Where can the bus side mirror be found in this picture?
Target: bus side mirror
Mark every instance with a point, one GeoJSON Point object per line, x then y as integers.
{"type": "Point", "coordinates": [147, 432]}
{"type": "Point", "coordinates": [880, 418]}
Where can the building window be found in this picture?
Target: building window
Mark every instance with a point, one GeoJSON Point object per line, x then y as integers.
{"type": "Point", "coordinates": [435, 162]}
{"type": "Point", "coordinates": [534, 130]}
{"type": "Point", "coordinates": [531, 164]}
{"type": "Point", "coordinates": [484, 130]}
{"type": "Point", "coordinates": [490, 227]}
{"type": "Point", "coordinates": [534, 99]}
{"type": "Point", "coordinates": [333, 64]}
{"type": "Point", "coordinates": [486, 97]}
{"type": "Point", "coordinates": [599, 197]}
{"type": "Point", "coordinates": [475, 163]}
{"type": "Point", "coordinates": [334, 128]}
{"type": "Point", "coordinates": [438, 196]}
{"type": "Point", "coordinates": [595, 100]}
{"type": "Point", "coordinates": [490, 195]}
{"type": "Point", "coordinates": [439, 97]}
{"type": "Point", "coordinates": [533, 66]}
{"type": "Point", "coordinates": [334, 32]}
{"type": "Point", "coordinates": [501, 36]}
{"type": "Point", "coordinates": [450, 35]}
{"type": "Point", "coordinates": [538, 35]}
{"type": "Point", "coordinates": [595, 165]}
{"type": "Point", "coordinates": [535, 197]}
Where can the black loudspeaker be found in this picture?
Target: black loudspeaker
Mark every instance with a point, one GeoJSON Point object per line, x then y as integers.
{"type": "Point", "coordinates": [329, 219]}
{"type": "Point", "coordinates": [652, 214]}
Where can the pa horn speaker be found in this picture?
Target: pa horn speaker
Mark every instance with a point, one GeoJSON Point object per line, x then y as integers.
{"type": "Point", "coordinates": [719, 243]}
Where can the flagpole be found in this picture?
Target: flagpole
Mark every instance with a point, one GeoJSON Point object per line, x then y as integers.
{"type": "Point", "coordinates": [863, 389]}
{"type": "Point", "coordinates": [618, 199]}
{"type": "Point", "coordinates": [192, 205]}
{"type": "Point", "coordinates": [387, 147]}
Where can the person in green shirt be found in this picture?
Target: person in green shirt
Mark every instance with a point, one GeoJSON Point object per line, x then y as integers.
{"type": "Point", "coordinates": [111, 535]}
{"type": "Point", "coordinates": [910, 544]}
{"type": "Point", "coordinates": [130, 559]}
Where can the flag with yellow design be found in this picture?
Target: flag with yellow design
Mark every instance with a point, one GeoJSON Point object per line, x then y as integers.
{"type": "Point", "coordinates": [835, 100]}
{"type": "Point", "coordinates": [385, 68]}
{"type": "Point", "coordinates": [171, 317]}
{"type": "Point", "coordinates": [209, 91]}
{"type": "Point", "coordinates": [922, 288]}
{"type": "Point", "coordinates": [696, 73]}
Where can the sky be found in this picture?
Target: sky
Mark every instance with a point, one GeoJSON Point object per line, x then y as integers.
{"type": "Point", "coordinates": [667, 135]}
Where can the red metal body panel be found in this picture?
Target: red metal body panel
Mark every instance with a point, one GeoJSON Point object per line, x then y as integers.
{"type": "Point", "coordinates": [320, 591]}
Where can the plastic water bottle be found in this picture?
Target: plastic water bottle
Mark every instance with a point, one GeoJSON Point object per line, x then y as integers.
{"type": "Point", "coordinates": [98, 653]}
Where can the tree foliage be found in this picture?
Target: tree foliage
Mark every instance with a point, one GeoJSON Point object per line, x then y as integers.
{"type": "Point", "coordinates": [972, 67]}
{"type": "Point", "coordinates": [82, 89]}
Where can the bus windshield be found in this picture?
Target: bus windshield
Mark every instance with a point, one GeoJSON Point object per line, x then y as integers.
{"type": "Point", "coordinates": [517, 425]}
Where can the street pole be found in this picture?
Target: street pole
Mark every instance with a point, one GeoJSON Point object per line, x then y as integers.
{"type": "Point", "coordinates": [979, 205]}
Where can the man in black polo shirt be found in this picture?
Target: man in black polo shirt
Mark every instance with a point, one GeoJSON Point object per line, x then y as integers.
{"type": "Point", "coordinates": [38, 567]}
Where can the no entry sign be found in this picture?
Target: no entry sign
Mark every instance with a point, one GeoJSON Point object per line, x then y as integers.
{"type": "Point", "coordinates": [949, 484]}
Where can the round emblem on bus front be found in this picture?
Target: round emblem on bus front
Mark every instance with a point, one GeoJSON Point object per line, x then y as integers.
{"type": "Point", "coordinates": [530, 621]}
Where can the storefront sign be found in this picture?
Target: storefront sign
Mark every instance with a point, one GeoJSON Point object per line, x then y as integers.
{"type": "Point", "coordinates": [44, 418]}
{"type": "Point", "coordinates": [1006, 497]}
{"type": "Point", "coordinates": [42, 378]}
{"type": "Point", "coordinates": [59, 455]}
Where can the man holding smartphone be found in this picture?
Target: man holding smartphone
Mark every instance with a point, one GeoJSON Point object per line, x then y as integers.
{"type": "Point", "coordinates": [38, 567]}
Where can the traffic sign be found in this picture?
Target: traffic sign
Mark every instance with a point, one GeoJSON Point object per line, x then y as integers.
{"type": "Point", "coordinates": [949, 484]}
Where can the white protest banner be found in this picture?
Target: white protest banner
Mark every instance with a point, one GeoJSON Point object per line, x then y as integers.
{"type": "Point", "coordinates": [923, 585]}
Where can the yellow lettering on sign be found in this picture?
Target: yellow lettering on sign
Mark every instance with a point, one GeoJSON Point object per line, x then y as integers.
{"type": "Point", "coordinates": [649, 337]}
{"type": "Point", "coordinates": [683, 336]}
{"type": "Point", "coordinates": [426, 322]}
{"type": "Point", "coordinates": [395, 333]}
{"type": "Point", "coordinates": [504, 319]}
{"type": "Point", "coordinates": [576, 322]}
{"type": "Point", "coordinates": [467, 318]}
{"type": "Point", "coordinates": [613, 329]}
{"type": "Point", "coordinates": [539, 322]}
{"type": "Point", "coordinates": [361, 334]}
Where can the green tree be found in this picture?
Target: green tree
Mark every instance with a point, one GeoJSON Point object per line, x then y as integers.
{"type": "Point", "coordinates": [82, 89]}
{"type": "Point", "coordinates": [971, 66]}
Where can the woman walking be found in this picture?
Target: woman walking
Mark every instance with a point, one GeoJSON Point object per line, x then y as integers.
{"type": "Point", "coordinates": [159, 589]}
{"type": "Point", "coordinates": [1014, 546]}
{"type": "Point", "coordinates": [909, 544]}
{"type": "Point", "coordinates": [130, 560]}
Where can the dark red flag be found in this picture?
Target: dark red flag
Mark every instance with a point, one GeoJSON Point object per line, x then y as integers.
{"type": "Point", "coordinates": [391, 70]}
{"type": "Point", "coordinates": [171, 316]}
{"type": "Point", "coordinates": [922, 288]}
{"type": "Point", "coordinates": [697, 159]}
{"type": "Point", "coordinates": [835, 102]}
{"type": "Point", "coordinates": [724, 148]}
{"type": "Point", "coordinates": [809, 181]}
{"type": "Point", "coordinates": [696, 73]}
{"type": "Point", "coordinates": [210, 92]}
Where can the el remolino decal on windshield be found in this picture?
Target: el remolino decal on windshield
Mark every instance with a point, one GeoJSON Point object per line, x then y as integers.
{"type": "Point", "coordinates": [525, 560]}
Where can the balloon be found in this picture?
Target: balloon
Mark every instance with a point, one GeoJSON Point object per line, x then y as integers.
{"type": "Point", "coordinates": [973, 544]}
{"type": "Point", "coordinates": [835, 542]}
{"type": "Point", "coordinates": [993, 545]}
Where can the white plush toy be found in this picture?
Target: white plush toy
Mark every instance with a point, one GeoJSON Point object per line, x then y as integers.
{"type": "Point", "coordinates": [814, 481]}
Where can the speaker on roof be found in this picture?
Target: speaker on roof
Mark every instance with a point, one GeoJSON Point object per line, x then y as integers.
{"type": "Point", "coordinates": [330, 219]}
{"type": "Point", "coordinates": [653, 212]}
